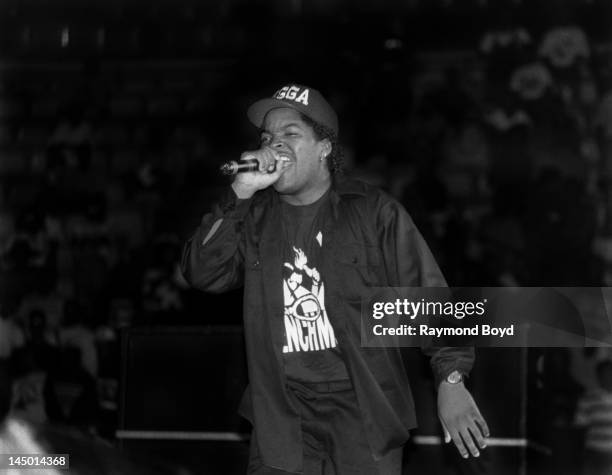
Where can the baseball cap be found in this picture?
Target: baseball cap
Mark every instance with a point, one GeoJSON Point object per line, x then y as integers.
{"type": "Point", "coordinates": [304, 99]}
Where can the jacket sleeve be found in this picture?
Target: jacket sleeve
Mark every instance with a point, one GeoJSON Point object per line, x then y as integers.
{"type": "Point", "coordinates": [410, 263]}
{"type": "Point", "coordinates": [213, 256]}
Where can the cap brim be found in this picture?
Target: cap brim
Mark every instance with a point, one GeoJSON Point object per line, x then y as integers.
{"type": "Point", "coordinates": [258, 110]}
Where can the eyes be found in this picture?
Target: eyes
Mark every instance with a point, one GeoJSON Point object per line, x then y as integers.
{"type": "Point", "coordinates": [267, 138]}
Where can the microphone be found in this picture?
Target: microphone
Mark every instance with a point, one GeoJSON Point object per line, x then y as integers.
{"type": "Point", "coordinates": [250, 165]}
{"type": "Point", "coordinates": [233, 167]}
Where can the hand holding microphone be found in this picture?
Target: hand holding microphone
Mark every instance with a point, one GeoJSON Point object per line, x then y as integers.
{"type": "Point", "coordinates": [255, 171]}
{"type": "Point", "coordinates": [250, 162]}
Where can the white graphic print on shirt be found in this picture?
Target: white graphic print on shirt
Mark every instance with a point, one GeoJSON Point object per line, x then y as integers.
{"type": "Point", "coordinates": [307, 327]}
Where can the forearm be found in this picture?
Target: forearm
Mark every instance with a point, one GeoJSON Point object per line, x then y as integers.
{"type": "Point", "coordinates": [410, 263]}
{"type": "Point", "coordinates": [212, 257]}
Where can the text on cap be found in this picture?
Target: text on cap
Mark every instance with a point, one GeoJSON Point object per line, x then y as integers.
{"type": "Point", "coordinates": [293, 93]}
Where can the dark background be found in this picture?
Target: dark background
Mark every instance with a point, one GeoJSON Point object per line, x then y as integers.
{"type": "Point", "coordinates": [491, 121]}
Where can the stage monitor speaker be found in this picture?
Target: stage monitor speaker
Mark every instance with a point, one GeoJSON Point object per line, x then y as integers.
{"type": "Point", "coordinates": [187, 379]}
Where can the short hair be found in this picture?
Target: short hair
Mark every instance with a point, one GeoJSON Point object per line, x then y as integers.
{"type": "Point", "coordinates": [335, 160]}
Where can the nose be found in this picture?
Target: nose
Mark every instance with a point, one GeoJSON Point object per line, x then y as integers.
{"type": "Point", "coordinates": [278, 146]}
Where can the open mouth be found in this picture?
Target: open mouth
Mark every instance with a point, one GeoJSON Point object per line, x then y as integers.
{"type": "Point", "coordinates": [282, 154]}
{"type": "Point", "coordinates": [285, 160]}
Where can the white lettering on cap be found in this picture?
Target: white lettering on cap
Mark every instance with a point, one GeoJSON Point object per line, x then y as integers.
{"type": "Point", "coordinates": [303, 97]}
{"type": "Point", "coordinates": [281, 94]}
{"type": "Point", "coordinates": [293, 94]}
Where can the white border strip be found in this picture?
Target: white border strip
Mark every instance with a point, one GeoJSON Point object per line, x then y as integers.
{"type": "Point", "coordinates": [491, 442]}
{"type": "Point", "coordinates": [237, 437]}
{"type": "Point", "coordinates": [181, 435]}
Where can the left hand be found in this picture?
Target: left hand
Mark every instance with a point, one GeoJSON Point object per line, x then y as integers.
{"type": "Point", "coordinates": [461, 419]}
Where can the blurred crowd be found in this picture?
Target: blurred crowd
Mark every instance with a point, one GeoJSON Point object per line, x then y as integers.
{"type": "Point", "coordinates": [502, 155]}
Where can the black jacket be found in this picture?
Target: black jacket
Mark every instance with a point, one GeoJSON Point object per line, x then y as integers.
{"type": "Point", "coordinates": [370, 240]}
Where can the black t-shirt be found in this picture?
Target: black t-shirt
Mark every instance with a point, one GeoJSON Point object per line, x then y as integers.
{"type": "Point", "coordinates": [311, 352]}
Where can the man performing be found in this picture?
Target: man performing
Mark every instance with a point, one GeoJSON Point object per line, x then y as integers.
{"type": "Point", "coordinates": [307, 243]}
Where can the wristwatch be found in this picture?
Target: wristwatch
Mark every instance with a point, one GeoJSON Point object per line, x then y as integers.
{"type": "Point", "coordinates": [454, 378]}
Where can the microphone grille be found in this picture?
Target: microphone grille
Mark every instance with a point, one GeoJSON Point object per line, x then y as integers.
{"type": "Point", "coordinates": [226, 169]}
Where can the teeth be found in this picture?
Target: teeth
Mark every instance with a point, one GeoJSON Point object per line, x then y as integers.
{"type": "Point", "coordinates": [282, 157]}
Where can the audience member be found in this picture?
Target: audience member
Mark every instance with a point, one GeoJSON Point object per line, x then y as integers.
{"type": "Point", "coordinates": [594, 414]}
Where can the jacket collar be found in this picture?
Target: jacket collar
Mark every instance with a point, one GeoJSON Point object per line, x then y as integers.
{"type": "Point", "coordinates": [343, 185]}
{"type": "Point", "coordinates": [343, 188]}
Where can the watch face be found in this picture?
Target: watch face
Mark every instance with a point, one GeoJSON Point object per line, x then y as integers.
{"type": "Point", "coordinates": [455, 377]}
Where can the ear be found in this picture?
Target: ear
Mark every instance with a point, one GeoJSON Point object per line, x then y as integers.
{"type": "Point", "coordinates": [326, 148]}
